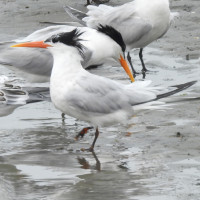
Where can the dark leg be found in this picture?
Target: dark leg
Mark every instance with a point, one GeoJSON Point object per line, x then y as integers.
{"type": "Point", "coordinates": [130, 62]}
{"type": "Point", "coordinates": [88, 3]}
{"type": "Point", "coordinates": [144, 69]}
{"type": "Point", "coordinates": [95, 139]}
{"type": "Point", "coordinates": [82, 132]}
{"type": "Point", "coordinates": [143, 74]}
{"type": "Point", "coordinates": [63, 116]}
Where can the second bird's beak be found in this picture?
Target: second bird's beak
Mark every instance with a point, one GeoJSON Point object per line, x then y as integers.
{"type": "Point", "coordinates": [38, 44]}
{"type": "Point", "coordinates": [126, 68]}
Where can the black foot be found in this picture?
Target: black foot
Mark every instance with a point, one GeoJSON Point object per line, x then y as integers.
{"type": "Point", "coordinates": [147, 71]}
{"type": "Point", "coordinates": [144, 69]}
{"type": "Point", "coordinates": [143, 74]}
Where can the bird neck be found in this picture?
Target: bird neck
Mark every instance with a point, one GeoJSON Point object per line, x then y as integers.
{"type": "Point", "coordinates": [66, 65]}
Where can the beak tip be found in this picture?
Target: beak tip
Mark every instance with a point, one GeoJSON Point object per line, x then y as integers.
{"type": "Point", "coordinates": [38, 44]}
{"type": "Point", "coordinates": [124, 64]}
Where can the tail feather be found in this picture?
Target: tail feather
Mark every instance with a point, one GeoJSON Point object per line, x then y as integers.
{"type": "Point", "coordinates": [179, 88]}
{"type": "Point", "coordinates": [173, 17]}
{"type": "Point", "coordinates": [62, 23]}
{"type": "Point", "coordinates": [75, 14]}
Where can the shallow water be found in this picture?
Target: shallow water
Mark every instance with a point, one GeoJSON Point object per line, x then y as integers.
{"type": "Point", "coordinates": [154, 157]}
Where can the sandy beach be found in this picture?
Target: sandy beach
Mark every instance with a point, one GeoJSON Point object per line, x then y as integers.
{"type": "Point", "coordinates": [156, 156]}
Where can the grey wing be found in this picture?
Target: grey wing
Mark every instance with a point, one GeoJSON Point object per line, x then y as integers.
{"type": "Point", "coordinates": [86, 57]}
{"type": "Point", "coordinates": [99, 96]}
{"type": "Point", "coordinates": [45, 33]}
{"type": "Point", "coordinates": [123, 18]}
{"type": "Point", "coordinates": [38, 62]}
{"type": "Point", "coordinates": [132, 30]}
{"type": "Point", "coordinates": [131, 27]}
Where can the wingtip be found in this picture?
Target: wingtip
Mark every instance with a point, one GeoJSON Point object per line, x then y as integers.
{"type": "Point", "coordinates": [66, 7]}
{"type": "Point", "coordinates": [75, 14]}
{"type": "Point", "coordinates": [178, 89]}
{"type": "Point", "coordinates": [185, 85]}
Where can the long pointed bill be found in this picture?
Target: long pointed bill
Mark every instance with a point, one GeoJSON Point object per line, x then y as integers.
{"type": "Point", "coordinates": [126, 68]}
{"type": "Point", "coordinates": [39, 44]}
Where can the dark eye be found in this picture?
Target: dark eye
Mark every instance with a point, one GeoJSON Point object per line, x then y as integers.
{"type": "Point", "coordinates": [55, 38]}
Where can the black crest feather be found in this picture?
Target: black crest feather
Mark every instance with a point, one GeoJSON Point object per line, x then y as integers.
{"type": "Point", "coordinates": [114, 34]}
{"type": "Point", "coordinates": [69, 38]}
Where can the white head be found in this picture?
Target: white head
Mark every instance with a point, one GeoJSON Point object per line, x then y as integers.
{"type": "Point", "coordinates": [112, 43]}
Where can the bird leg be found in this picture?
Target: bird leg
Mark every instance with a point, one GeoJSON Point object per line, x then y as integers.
{"type": "Point", "coordinates": [143, 74]}
{"type": "Point", "coordinates": [144, 69]}
{"type": "Point", "coordinates": [94, 141]}
{"type": "Point", "coordinates": [88, 3]}
{"type": "Point", "coordinates": [130, 62]}
{"type": "Point", "coordinates": [63, 117]}
{"type": "Point", "coordinates": [83, 132]}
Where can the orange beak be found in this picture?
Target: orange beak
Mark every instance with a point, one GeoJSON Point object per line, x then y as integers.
{"type": "Point", "coordinates": [126, 68]}
{"type": "Point", "coordinates": [39, 44]}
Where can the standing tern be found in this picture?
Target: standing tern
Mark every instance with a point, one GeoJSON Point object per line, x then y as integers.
{"type": "Point", "coordinates": [140, 22]}
{"type": "Point", "coordinates": [88, 97]}
{"type": "Point", "coordinates": [101, 46]}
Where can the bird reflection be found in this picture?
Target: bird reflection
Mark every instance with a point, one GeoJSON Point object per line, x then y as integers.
{"type": "Point", "coordinates": [86, 165]}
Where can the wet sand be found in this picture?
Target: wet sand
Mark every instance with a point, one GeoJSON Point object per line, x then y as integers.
{"type": "Point", "coordinates": [155, 156]}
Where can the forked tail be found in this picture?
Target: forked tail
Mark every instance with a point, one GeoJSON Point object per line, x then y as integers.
{"type": "Point", "coordinates": [178, 88]}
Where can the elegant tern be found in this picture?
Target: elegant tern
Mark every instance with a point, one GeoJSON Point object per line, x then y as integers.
{"type": "Point", "coordinates": [102, 45]}
{"type": "Point", "coordinates": [140, 21]}
{"type": "Point", "coordinates": [88, 97]}
{"type": "Point", "coordinates": [13, 96]}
